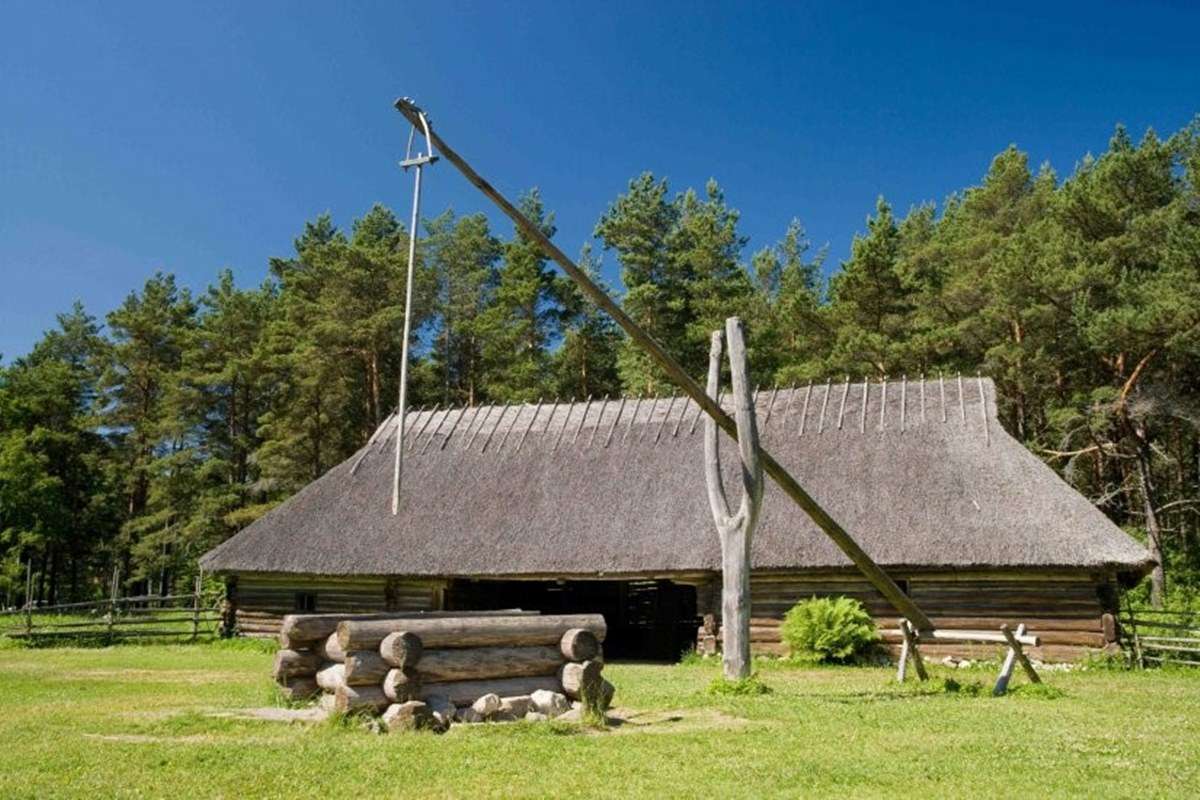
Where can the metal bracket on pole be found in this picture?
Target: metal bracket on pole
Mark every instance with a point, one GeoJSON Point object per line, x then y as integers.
{"type": "Point", "coordinates": [417, 161]}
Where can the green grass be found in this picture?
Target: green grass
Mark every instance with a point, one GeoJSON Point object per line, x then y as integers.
{"type": "Point", "coordinates": [136, 721]}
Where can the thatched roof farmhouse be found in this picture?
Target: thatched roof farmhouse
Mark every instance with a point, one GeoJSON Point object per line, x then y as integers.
{"type": "Point", "coordinates": [600, 506]}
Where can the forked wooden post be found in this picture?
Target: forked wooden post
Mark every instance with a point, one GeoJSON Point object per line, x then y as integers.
{"type": "Point", "coordinates": [736, 531]}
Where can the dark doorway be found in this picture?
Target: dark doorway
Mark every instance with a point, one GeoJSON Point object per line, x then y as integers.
{"type": "Point", "coordinates": [647, 619]}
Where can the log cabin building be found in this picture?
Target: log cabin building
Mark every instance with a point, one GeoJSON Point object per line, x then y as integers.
{"type": "Point", "coordinates": [601, 507]}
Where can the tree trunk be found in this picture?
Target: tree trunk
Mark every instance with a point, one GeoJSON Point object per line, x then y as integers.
{"type": "Point", "coordinates": [735, 601]}
{"type": "Point", "coordinates": [1158, 575]}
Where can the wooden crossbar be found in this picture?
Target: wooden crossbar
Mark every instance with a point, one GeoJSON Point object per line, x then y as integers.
{"type": "Point", "coordinates": [1016, 640]}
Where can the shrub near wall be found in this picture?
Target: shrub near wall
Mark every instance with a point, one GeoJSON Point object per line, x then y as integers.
{"type": "Point", "coordinates": [829, 629]}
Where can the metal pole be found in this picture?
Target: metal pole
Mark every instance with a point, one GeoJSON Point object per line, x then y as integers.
{"type": "Point", "coordinates": [871, 571]}
{"type": "Point", "coordinates": [408, 294]}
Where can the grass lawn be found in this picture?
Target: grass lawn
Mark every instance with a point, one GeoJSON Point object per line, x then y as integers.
{"type": "Point", "coordinates": [136, 721]}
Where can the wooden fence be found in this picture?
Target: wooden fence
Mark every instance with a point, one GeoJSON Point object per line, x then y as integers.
{"type": "Point", "coordinates": [1161, 637]}
{"type": "Point", "coordinates": [176, 617]}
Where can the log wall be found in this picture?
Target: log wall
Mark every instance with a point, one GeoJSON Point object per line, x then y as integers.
{"type": "Point", "coordinates": [1066, 610]}
{"type": "Point", "coordinates": [261, 600]}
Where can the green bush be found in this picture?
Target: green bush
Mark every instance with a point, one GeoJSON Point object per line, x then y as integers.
{"type": "Point", "coordinates": [836, 629]}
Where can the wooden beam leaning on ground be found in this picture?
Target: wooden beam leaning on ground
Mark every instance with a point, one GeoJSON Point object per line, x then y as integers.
{"type": "Point", "coordinates": [846, 543]}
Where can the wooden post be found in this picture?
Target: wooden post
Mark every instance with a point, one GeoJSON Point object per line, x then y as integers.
{"type": "Point", "coordinates": [910, 641]}
{"type": "Point", "coordinates": [902, 667]}
{"type": "Point", "coordinates": [1137, 641]}
{"type": "Point", "coordinates": [112, 601]}
{"type": "Point", "coordinates": [1020, 654]}
{"type": "Point", "coordinates": [736, 531]}
{"type": "Point", "coordinates": [196, 606]}
{"type": "Point", "coordinates": [1010, 661]}
{"type": "Point", "coordinates": [29, 597]}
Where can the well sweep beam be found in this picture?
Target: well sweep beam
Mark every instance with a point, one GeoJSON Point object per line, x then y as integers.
{"type": "Point", "coordinates": [872, 571]}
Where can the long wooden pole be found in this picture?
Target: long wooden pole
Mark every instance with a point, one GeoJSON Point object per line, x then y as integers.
{"type": "Point", "coordinates": [872, 571]}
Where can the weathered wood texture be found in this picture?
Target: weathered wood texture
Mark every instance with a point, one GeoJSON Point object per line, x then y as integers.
{"type": "Point", "coordinates": [308, 630]}
{"type": "Point", "coordinates": [400, 649]}
{"type": "Point", "coordinates": [579, 644]}
{"type": "Point", "coordinates": [350, 699]}
{"type": "Point", "coordinates": [402, 684]}
{"type": "Point", "coordinates": [463, 693]}
{"type": "Point", "coordinates": [265, 599]}
{"type": "Point", "coordinates": [580, 680]}
{"type": "Point", "coordinates": [332, 677]}
{"type": "Point", "coordinates": [299, 688]}
{"type": "Point", "coordinates": [476, 631]}
{"type": "Point", "coordinates": [329, 649]}
{"type": "Point", "coordinates": [295, 664]}
{"type": "Point", "coordinates": [478, 663]}
{"type": "Point", "coordinates": [365, 667]}
{"type": "Point", "coordinates": [735, 530]}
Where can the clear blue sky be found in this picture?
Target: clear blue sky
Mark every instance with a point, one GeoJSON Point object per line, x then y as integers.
{"type": "Point", "coordinates": [145, 136]}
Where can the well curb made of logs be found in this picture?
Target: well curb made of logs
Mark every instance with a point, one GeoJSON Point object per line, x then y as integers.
{"type": "Point", "coordinates": [427, 670]}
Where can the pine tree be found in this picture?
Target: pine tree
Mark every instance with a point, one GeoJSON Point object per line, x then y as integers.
{"type": "Point", "coordinates": [869, 303]}
{"type": "Point", "coordinates": [791, 334]}
{"type": "Point", "coordinates": [638, 227]}
{"type": "Point", "coordinates": [148, 334]}
{"type": "Point", "coordinates": [462, 254]}
{"type": "Point", "coordinates": [524, 317]}
{"type": "Point", "coordinates": [586, 360]}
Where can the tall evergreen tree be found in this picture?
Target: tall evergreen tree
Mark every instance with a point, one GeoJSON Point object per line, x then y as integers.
{"type": "Point", "coordinates": [586, 360]}
{"type": "Point", "coordinates": [524, 317]}
{"type": "Point", "coordinates": [462, 254]}
{"type": "Point", "coordinates": [638, 227]}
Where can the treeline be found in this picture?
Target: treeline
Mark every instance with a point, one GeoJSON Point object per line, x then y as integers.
{"type": "Point", "coordinates": [138, 444]}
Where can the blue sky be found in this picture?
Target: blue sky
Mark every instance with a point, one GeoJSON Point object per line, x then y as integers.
{"type": "Point", "coordinates": [136, 137]}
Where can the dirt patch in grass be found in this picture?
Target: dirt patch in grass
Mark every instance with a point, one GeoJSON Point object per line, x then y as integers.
{"type": "Point", "coordinates": [310, 714]}
{"type": "Point", "coordinates": [193, 677]}
{"type": "Point", "coordinates": [684, 720]}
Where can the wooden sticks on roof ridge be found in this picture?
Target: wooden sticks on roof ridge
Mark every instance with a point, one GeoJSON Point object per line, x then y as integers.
{"type": "Point", "coordinates": [657, 419]}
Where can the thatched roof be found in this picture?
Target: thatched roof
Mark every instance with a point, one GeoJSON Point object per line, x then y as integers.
{"type": "Point", "coordinates": [921, 474]}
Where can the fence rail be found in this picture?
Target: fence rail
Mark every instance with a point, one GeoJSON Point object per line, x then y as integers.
{"type": "Point", "coordinates": [174, 616]}
{"type": "Point", "coordinates": [1162, 637]}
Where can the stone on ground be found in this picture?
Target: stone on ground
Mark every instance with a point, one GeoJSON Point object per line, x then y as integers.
{"type": "Point", "coordinates": [412, 715]}
{"type": "Point", "coordinates": [552, 704]}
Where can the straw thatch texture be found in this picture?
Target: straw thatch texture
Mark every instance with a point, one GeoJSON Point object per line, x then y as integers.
{"type": "Point", "coordinates": [922, 475]}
